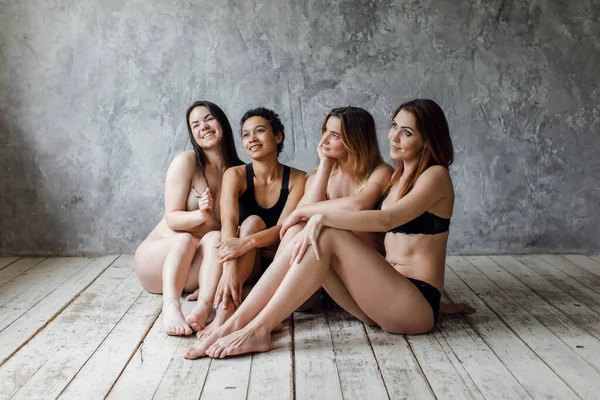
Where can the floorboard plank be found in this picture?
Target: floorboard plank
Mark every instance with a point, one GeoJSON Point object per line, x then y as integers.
{"type": "Point", "coordinates": [446, 376]}
{"type": "Point", "coordinates": [228, 378]}
{"type": "Point", "coordinates": [561, 358]}
{"type": "Point", "coordinates": [6, 261]}
{"type": "Point", "coordinates": [45, 366]}
{"type": "Point", "coordinates": [570, 285]}
{"type": "Point", "coordinates": [399, 368]}
{"type": "Point", "coordinates": [30, 273]}
{"type": "Point", "coordinates": [560, 324]}
{"type": "Point", "coordinates": [357, 367]}
{"type": "Point", "coordinates": [585, 262]}
{"type": "Point", "coordinates": [144, 372]}
{"type": "Point", "coordinates": [315, 365]}
{"type": "Point", "coordinates": [488, 373]}
{"type": "Point", "coordinates": [9, 270]}
{"type": "Point", "coordinates": [533, 374]}
{"type": "Point", "coordinates": [271, 373]}
{"type": "Point", "coordinates": [15, 331]}
{"type": "Point", "coordinates": [576, 272]}
{"type": "Point", "coordinates": [595, 257]}
{"type": "Point", "coordinates": [102, 369]}
{"type": "Point", "coordinates": [183, 379]}
{"type": "Point", "coordinates": [585, 317]}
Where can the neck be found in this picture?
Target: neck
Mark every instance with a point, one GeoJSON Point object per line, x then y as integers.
{"type": "Point", "coordinates": [267, 169]}
{"type": "Point", "coordinates": [409, 165]}
{"type": "Point", "coordinates": [344, 167]}
{"type": "Point", "coordinates": [214, 158]}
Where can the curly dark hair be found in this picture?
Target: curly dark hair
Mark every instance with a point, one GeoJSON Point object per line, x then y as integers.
{"type": "Point", "coordinates": [272, 117]}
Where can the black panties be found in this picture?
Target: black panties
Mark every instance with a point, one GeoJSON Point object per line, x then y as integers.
{"type": "Point", "coordinates": [431, 294]}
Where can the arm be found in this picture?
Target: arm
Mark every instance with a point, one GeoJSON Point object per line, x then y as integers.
{"type": "Point", "coordinates": [365, 200]}
{"type": "Point", "coordinates": [431, 187]}
{"type": "Point", "coordinates": [268, 236]}
{"type": "Point", "coordinates": [177, 185]}
{"type": "Point", "coordinates": [230, 208]}
{"type": "Point", "coordinates": [316, 186]}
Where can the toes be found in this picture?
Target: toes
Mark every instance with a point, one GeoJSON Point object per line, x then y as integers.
{"type": "Point", "coordinates": [187, 331]}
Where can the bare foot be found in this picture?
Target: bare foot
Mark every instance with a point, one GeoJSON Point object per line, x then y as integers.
{"type": "Point", "coordinates": [197, 318]}
{"type": "Point", "coordinates": [197, 349]}
{"type": "Point", "coordinates": [172, 319]}
{"type": "Point", "coordinates": [247, 340]}
{"type": "Point", "coordinates": [278, 328]}
{"type": "Point", "coordinates": [456, 308]}
{"type": "Point", "coordinates": [221, 316]}
{"type": "Point", "coordinates": [192, 296]}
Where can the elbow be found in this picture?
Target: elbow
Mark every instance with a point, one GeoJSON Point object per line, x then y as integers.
{"type": "Point", "coordinates": [170, 219]}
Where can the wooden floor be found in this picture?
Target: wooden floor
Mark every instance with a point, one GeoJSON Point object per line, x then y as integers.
{"type": "Point", "coordinates": [84, 328]}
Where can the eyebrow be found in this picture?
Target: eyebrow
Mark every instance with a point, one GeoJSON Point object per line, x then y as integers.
{"type": "Point", "coordinates": [407, 127]}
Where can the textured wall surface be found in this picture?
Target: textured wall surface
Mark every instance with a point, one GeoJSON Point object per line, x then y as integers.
{"type": "Point", "coordinates": [93, 95]}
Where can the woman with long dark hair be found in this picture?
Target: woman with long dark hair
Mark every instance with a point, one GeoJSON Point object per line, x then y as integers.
{"type": "Point", "coordinates": [399, 292]}
{"type": "Point", "coordinates": [171, 259]}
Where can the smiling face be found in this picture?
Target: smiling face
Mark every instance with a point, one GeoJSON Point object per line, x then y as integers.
{"type": "Point", "coordinates": [406, 142]}
{"type": "Point", "coordinates": [258, 137]}
{"type": "Point", "coordinates": [205, 128]}
{"type": "Point", "coordinates": [331, 144]}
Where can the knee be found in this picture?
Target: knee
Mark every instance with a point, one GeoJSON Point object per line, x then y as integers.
{"type": "Point", "coordinates": [251, 225]}
{"type": "Point", "coordinates": [186, 241]}
{"type": "Point", "coordinates": [294, 230]}
{"type": "Point", "coordinates": [211, 238]}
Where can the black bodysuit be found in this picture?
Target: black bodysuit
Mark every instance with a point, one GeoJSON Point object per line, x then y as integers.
{"type": "Point", "coordinates": [249, 206]}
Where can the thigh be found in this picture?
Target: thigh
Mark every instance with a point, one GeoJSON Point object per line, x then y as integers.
{"type": "Point", "coordinates": [385, 295]}
{"type": "Point", "coordinates": [149, 260]}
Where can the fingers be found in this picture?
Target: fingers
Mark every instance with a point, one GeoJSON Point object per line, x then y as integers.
{"type": "Point", "coordinates": [301, 251]}
{"type": "Point", "coordinates": [295, 252]}
{"type": "Point", "coordinates": [218, 296]}
{"type": "Point", "coordinates": [225, 301]}
{"type": "Point", "coordinates": [282, 231]}
{"type": "Point", "coordinates": [235, 296]}
{"type": "Point", "coordinates": [313, 243]}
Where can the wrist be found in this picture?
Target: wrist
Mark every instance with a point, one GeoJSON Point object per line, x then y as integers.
{"type": "Point", "coordinates": [249, 242]}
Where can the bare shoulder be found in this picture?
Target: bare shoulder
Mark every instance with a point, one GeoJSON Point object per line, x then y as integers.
{"type": "Point", "coordinates": [435, 175]}
{"type": "Point", "coordinates": [184, 162]}
{"type": "Point", "coordinates": [235, 174]}
{"type": "Point", "coordinates": [381, 174]}
{"type": "Point", "coordinates": [297, 175]}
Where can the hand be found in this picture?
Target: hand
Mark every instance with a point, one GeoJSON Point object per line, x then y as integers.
{"type": "Point", "coordinates": [232, 248]}
{"type": "Point", "coordinates": [205, 201]}
{"type": "Point", "coordinates": [229, 288]}
{"type": "Point", "coordinates": [309, 237]}
{"type": "Point", "coordinates": [326, 162]}
{"type": "Point", "coordinates": [291, 220]}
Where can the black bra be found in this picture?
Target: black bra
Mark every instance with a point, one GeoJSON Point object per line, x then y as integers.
{"type": "Point", "coordinates": [426, 224]}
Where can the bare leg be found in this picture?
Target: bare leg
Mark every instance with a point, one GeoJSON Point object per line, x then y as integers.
{"type": "Point", "coordinates": [207, 279]}
{"type": "Point", "coordinates": [172, 256]}
{"type": "Point", "coordinates": [257, 298]}
{"type": "Point", "coordinates": [246, 265]}
{"type": "Point", "coordinates": [403, 309]}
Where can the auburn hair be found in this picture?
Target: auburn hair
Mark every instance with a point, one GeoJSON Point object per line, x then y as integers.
{"type": "Point", "coordinates": [437, 148]}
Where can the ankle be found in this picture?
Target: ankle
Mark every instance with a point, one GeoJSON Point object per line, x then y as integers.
{"type": "Point", "coordinates": [171, 303]}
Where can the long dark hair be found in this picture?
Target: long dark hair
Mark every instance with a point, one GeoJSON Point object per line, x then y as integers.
{"type": "Point", "coordinates": [437, 150]}
{"type": "Point", "coordinates": [227, 142]}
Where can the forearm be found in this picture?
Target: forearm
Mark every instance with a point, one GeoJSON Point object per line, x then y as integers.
{"type": "Point", "coordinates": [318, 188]}
{"type": "Point", "coordinates": [185, 220]}
{"type": "Point", "coordinates": [265, 238]}
{"type": "Point", "coordinates": [329, 206]}
{"type": "Point", "coordinates": [360, 221]}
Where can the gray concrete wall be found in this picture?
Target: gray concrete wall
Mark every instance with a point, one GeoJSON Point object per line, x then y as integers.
{"type": "Point", "coordinates": [93, 95]}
